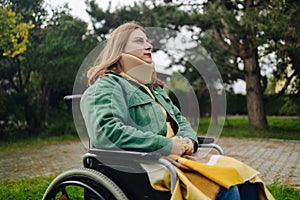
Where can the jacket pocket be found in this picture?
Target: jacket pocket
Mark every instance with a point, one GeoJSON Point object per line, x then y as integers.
{"type": "Point", "coordinates": [140, 112]}
{"type": "Point", "coordinates": [146, 116]}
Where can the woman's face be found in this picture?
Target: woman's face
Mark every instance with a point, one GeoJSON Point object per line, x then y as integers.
{"type": "Point", "coordinates": [139, 46]}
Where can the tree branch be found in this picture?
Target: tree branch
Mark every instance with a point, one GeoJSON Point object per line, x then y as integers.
{"type": "Point", "coordinates": [27, 79]}
{"type": "Point", "coordinates": [260, 2]}
{"type": "Point", "coordinates": [14, 85]}
{"type": "Point", "coordinates": [217, 36]}
{"type": "Point", "coordinates": [20, 75]}
{"type": "Point", "coordinates": [226, 29]}
{"type": "Point", "coordinates": [283, 89]}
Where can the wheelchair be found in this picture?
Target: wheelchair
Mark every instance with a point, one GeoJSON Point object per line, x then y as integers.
{"type": "Point", "coordinates": [113, 174]}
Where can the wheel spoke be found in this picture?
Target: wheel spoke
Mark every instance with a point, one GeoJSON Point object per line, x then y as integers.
{"type": "Point", "coordinates": [64, 195]}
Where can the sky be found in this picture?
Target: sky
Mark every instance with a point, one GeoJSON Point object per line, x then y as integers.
{"type": "Point", "coordinates": [78, 8]}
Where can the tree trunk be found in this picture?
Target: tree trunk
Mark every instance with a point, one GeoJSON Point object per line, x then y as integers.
{"type": "Point", "coordinates": [255, 104]}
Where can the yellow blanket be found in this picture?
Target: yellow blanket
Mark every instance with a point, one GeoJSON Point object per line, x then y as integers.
{"type": "Point", "coordinates": [203, 181]}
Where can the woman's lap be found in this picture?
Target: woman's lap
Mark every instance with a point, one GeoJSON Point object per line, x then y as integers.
{"type": "Point", "coordinates": [246, 191]}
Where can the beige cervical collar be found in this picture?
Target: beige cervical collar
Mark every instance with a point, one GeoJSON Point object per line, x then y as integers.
{"type": "Point", "coordinates": [137, 68]}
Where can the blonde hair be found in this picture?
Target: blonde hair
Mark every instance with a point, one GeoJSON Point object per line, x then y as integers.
{"type": "Point", "coordinates": [111, 53]}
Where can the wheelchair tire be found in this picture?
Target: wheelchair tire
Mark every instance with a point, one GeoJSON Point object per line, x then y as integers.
{"type": "Point", "coordinates": [94, 184]}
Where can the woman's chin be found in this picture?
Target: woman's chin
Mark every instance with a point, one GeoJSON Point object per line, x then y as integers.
{"type": "Point", "coordinates": [148, 60]}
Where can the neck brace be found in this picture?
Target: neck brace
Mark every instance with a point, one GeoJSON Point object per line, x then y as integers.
{"type": "Point", "coordinates": [137, 68]}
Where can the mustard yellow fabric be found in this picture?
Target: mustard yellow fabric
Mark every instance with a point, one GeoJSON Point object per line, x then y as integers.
{"type": "Point", "coordinates": [197, 180]}
{"type": "Point", "coordinates": [185, 189]}
{"type": "Point", "coordinates": [225, 171]}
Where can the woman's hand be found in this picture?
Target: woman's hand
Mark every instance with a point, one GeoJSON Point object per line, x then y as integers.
{"type": "Point", "coordinates": [182, 146]}
{"type": "Point", "coordinates": [189, 145]}
{"type": "Point", "coordinates": [177, 147]}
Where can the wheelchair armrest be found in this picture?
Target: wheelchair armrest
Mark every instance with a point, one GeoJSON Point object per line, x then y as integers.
{"type": "Point", "coordinates": [205, 140]}
{"type": "Point", "coordinates": [73, 97]}
{"type": "Point", "coordinates": [209, 143]}
{"type": "Point", "coordinates": [124, 154]}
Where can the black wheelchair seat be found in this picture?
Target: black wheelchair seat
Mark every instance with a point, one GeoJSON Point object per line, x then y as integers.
{"type": "Point", "coordinates": [123, 168]}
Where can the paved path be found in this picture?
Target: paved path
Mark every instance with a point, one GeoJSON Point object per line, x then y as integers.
{"type": "Point", "coordinates": [275, 159]}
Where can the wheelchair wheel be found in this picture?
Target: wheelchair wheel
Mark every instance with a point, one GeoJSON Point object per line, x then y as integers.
{"type": "Point", "coordinates": [83, 183]}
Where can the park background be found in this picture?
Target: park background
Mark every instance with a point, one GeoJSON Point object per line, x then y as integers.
{"type": "Point", "coordinates": [256, 42]}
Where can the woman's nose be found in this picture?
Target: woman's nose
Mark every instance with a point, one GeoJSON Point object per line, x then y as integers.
{"type": "Point", "coordinates": [148, 46]}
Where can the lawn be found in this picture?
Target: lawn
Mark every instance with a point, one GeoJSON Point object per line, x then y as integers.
{"type": "Point", "coordinates": [31, 188]}
{"type": "Point", "coordinates": [279, 128]}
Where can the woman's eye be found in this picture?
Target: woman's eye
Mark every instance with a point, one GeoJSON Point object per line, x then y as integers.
{"type": "Point", "coordinates": [139, 41]}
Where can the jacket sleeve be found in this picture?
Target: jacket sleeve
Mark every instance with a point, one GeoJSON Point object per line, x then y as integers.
{"type": "Point", "coordinates": [105, 112]}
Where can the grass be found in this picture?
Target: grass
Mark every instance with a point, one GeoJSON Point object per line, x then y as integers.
{"type": "Point", "coordinates": [34, 188]}
{"type": "Point", "coordinates": [280, 192]}
{"type": "Point", "coordinates": [29, 188]}
{"type": "Point", "coordinates": [36, 142]}
{"type": "Point", "coordinates": [279, 128]}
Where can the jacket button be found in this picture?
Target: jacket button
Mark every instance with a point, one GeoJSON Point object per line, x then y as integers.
{"type": "Point", "coordinates": [171, 112]}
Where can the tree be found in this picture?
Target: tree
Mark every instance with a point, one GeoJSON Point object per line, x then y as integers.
{"type": "Point", "coordinates": [13, 33]}
{"type": "Point", "coordinates": [57, 58]}
{"type": "Point", "coordinates": [240, 35]}
{"type": "Point", "coordinates": [37, 80]}
{"type": "Point", "coordinates": [284, 40]}
{"type": "Point", "coordinates": [14, 41]}
{"type": "Point", "coordinates": [246, 32]}
{"type": "Point", "coordinates": [17, 80]}
{"type": "Point", "coordinates": [232, 26]}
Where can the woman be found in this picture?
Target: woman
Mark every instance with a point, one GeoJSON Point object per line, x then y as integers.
{"type": "Point", "coordinates": [126, 107]}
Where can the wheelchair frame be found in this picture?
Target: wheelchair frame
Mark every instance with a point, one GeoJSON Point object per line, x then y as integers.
{"type": "Point", "coordinates": [110, 174]}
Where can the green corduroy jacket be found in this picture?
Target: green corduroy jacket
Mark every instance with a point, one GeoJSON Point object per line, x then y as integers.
{"type": "Point", "coordinates": [119, 113]}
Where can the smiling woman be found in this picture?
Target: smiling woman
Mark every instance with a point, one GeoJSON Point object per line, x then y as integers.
{"type": "Point", "coordinates": [139, 46]}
